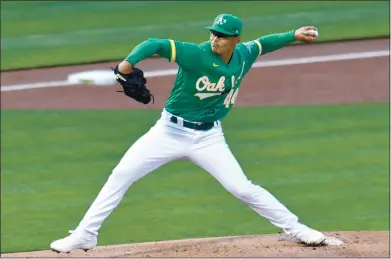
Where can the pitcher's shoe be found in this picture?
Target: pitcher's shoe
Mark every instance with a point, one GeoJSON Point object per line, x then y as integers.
{"type": "Point", "coordinates": [333, 241]}
{"type": "Point", "coordinates": [309, 236]}
{"type": "Point", "coordinates": [76, 240]}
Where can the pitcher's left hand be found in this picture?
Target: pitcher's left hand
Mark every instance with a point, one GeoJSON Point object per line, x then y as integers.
{"type": "Point", "coordinates": [306, 34]}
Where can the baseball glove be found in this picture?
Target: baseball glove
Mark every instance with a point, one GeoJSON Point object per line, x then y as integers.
{"type": "Point", "coordinates": [133, 85]}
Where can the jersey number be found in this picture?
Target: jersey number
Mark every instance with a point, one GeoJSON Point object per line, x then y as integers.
{"type": "Point", "coordinates": [231, 97]}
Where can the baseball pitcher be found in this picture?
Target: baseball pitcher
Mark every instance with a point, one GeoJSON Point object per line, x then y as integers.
{"type": "Point", "coordinates": [206, 87]}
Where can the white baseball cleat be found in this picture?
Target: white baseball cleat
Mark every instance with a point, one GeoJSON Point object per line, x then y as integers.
{"type": "Point", "coordinates": [76, 240]}
{"type": "Point", "coordinates": [310, 236]}
{"type": "Point", "coordinates": [333, 241]}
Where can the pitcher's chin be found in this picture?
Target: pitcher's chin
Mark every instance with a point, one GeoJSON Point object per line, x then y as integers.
{"type": "Point", "coordinates": [215, 49]}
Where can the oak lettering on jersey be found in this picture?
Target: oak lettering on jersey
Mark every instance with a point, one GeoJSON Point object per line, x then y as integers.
{"type": "Point", "coordinates": [203, 83]}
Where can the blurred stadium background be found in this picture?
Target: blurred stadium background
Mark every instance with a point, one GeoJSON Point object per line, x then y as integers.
{"type": "Point", "coordinates": [41, 33]}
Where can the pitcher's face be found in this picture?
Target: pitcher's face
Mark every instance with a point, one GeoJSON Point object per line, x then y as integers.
{"type": "Point", "coordinates": [222, 43]}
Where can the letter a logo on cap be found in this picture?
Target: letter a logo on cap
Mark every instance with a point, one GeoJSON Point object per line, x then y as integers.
{"type": "Point", "coordinates": [221, 21]}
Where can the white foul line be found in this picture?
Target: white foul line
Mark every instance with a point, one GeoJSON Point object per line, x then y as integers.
{"type": "Point", "coordinates": [35, 85]}
{"type": "Point", "coordinates": [271, 63]}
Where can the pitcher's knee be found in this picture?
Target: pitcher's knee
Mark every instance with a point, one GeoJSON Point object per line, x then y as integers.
{"type": "Point", "coordinates": [121, 173]}
{"type": "Point", "coordinates": [244, 192]}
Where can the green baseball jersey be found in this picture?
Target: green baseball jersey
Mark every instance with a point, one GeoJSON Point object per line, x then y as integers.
{"type": "Point", "coordinates": [206, 87]}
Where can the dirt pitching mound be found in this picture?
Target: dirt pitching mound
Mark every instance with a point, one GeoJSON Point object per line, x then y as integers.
{"type": "Point", "coordinates": [357, 244]}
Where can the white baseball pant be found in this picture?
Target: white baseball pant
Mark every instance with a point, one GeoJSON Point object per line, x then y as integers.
{"type": "Point", "coordinates": [167, 141]}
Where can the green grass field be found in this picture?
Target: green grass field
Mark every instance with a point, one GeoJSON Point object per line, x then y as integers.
{"type": "Point", "coordinates": [40, 33]}
{"type": "Point", "coordinates": [329, 164]}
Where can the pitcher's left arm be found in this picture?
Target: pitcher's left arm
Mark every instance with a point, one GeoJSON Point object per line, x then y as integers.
{"type": "Point", "coordinates": [275, 41]}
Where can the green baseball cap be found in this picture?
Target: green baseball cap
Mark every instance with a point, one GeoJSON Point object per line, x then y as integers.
{"type": "Point", "coordinates": [228, 24]}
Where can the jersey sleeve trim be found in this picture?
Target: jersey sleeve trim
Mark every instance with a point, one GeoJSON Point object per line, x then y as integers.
{"type": "Point", "coordinates": [259, 46]}
{"type": "Point", "coordinates": [173, 51]}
